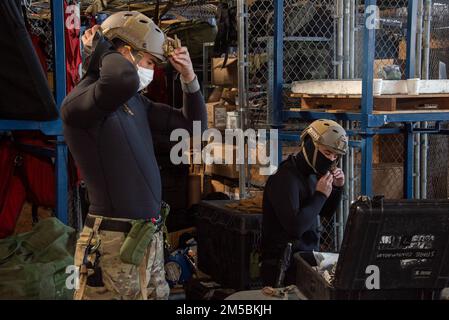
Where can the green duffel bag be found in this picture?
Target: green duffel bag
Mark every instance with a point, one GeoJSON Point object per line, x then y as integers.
{"type": "Point", "coordinates": [33, 265]}
{"type": "Point", "coordinates": [193, 33]}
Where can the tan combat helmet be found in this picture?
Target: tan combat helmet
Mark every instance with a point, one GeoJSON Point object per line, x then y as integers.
{"type": "Point", "coordinates": [326, 133]}
{"type": "Point", "coordinates": [137, 30]}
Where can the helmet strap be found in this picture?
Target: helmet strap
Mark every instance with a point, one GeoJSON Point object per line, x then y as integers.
{"type": "Point", "coordinates": [315, 154]}
{"type": "Point", "coordinates": [306, 157]}
{"type": "Point", "coordinates": [135, 60]}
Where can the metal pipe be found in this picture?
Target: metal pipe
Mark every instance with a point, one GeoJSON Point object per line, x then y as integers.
{"type": "Point", "coordinates": [242, 88]}
{"type": "Point", "coordinates": [416, 164]}
{"type": "Point", "coordinates": [351, 176]}
{"type": "Point", "coordinates": [348, 177]}
{"type": "Point", "coordinates": [339, 18]}
{"type": "Point", "coordinates": [352, 39]}
{"type": "Point", "coordinates": [278, 62]}
{"type": "Point", "coordinates": [424, 148]}
{"type": "Point", "coordinates": [346, 37]}
{"type": "Point", "coordinates": [419, 39]}
{"type": "Point", "coordinates": [206, 82]}
{"type": "Point", "coordinates": [408, 160]}
{"type": "Point", "coordinates": [426, 38]}
{"type": "Point", "coordinates": [427, 21]}
{"type": "Point", "coordinates": [340, 209]}
{"type": "Point", "coordinates": [411, 38]}
{"type": "Point", "coordinates": [334, 46]}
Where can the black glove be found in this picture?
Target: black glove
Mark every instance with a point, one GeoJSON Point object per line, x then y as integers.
{"type": "Point", "coordinates": [100, 47]}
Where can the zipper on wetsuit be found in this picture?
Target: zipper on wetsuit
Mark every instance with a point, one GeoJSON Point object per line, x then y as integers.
{"type": "Point", "coordinates": [127, 109]}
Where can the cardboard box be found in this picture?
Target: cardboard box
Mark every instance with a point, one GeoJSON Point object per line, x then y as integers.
{"type": "Point", "coordinates": [217, 114]}
{"type": "Point", "coordinates": [256, 179]}
{"type": "Point", "coordinates": [221, 169]}
{"type": "Point", "coordinates": [231, 191]}
{"type": "Point", "coordinates": [215, 95]}
{"type": "Point", "coordinates": [230, 95]}
{"type": "Point", "coordinates": [226, 76]}
{"type": "Point", "coordinates": [379, 64]}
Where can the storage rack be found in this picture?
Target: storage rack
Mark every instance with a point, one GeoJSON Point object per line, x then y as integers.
{"type": "Point", "coordinates": [53, 128]}
{"type": "Point", "coordinates": [371, 123]}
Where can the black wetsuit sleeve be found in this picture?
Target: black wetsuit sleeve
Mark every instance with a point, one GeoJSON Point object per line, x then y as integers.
{"type": "Point", "coordinates": [117, 83]}
{"type": "Point", "coordinates": [332, 202]}
{"type": "Point", "coordinates": [163, 118]}
{"type": "Point", "coordinates": [295, 217]}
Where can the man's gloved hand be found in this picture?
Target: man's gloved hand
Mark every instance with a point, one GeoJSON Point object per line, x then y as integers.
{"type": "Point", "coordinates": [324, 185]}
{"type": "Point", "coordinates": [94, 41]}
{"type": "Point", "coordinates": [339, 177]}
{"type": "Point", "coordinates": [87, 38]}
{"type": "Point", "coordinates": [181, 61]}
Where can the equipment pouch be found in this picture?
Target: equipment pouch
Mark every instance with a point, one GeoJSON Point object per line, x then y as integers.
{"type": "Point", "coordinates": [137, 241]}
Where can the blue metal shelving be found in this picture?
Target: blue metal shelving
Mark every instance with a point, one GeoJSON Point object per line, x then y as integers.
{"type": "Point", "coordinates": [53, 128]}
{"type": "Point", "coordinates": [370, 122]}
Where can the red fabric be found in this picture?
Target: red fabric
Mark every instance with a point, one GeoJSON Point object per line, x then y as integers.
{"type": "Point", "coordinates": [39, 46]}
{"type": "Point", "coordinates": [39, 171]}
{"type": "Point", "coordinates": [157, 90]}
{"type": "Point", "coordinates": [12, 191]}
{"type": "Point", "coordinates": [7, 156]}
{"type": "Point", "coordinates": [72, 45]}
{"type": "Point", "coordinates": [15, 198]}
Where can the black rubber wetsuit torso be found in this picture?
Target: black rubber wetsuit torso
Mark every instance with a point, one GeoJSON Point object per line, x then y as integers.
{"type": "Point", "coordinates": [290, 213]}
{"type": "Point", "coordinates": [108, 128]}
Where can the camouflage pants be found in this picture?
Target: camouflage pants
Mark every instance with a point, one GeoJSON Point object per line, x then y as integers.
{"type": "Point", "coordinates": [121, 281]}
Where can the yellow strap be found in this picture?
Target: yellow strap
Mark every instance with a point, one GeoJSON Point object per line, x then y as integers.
{"type": "Point", "coordinates": [143, 275]}
{"type": "Point", "coordinates": [78, 295]}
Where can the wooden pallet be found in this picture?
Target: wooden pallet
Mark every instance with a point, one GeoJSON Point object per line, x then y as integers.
{"type": "Point", "coordinates": [381, 103]}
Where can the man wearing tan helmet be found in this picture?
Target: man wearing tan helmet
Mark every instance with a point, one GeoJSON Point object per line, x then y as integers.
{"type": "Point", "coordinates": [109, 128]}
{"type": "Point", "coordinates": [306, 186]}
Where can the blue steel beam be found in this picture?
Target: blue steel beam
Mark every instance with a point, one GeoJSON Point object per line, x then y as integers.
{"type": "Point", "coordinates": [313, 115]}
{"type": "Point", "coordinates": [367, 164]}
{"type": "Point", "coordinates": [408, 161]}
{"type": "Point", "coordinates": [60, 92]}
{"type": "Point", "coordinates": [412, 16]}
{"type": "Point", "coordinates": [278, 63]}
{"type": "Point", "coordinates": [50, 128]}
{"type": "Point", "coordinates": [379, 120]}
{"type": "Point", "coordinates": [374, 120]}
{"type": "Point", "coordinates": [369, 47]}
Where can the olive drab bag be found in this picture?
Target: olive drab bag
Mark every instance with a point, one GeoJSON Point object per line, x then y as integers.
{"type": "Point", "coordinates": [33, 265]}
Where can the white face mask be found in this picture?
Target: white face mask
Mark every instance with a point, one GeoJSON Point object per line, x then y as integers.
{"type": "Point", "coordinates": [145, 77]}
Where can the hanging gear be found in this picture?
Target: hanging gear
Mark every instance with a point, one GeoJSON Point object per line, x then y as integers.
{"type": "Point", "coordinates": [227, 29]}
{"type": "Point", "coordinates": [326, 133]}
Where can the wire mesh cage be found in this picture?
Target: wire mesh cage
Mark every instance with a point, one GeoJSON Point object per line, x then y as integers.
{"type": "Point", "coordinates": [41, 30]}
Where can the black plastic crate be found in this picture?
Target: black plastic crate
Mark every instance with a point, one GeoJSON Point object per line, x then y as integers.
{"type": "Point", "coordinates": [229, 245]}
{"type": "Point", "coordinates": [408, 240]}
{"type": "Point", "coordinates": [314, 287]}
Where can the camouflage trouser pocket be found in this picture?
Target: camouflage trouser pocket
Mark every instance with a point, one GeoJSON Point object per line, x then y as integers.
{"type": "Point", "coordinates": [81, 246]}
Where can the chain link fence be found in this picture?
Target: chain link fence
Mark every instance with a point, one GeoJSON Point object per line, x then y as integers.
{"type": "Point", "coordinates": [391, 31]}
{"type": "Point", "coordinates": [40, 28]}
{"type": "Point", "coordinates": [439, 38]}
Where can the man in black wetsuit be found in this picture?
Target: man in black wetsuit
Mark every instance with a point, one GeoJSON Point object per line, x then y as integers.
{"type": "Point", "coordinates": [108, 126]}
{"type": "Point", "coordinates": [306, 186]}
